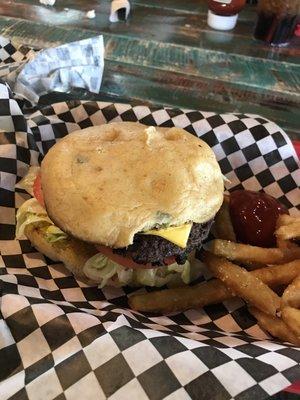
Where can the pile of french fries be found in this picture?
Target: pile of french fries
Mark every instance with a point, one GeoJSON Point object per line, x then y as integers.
{"type": "Point", "coordinates": [255, 274]}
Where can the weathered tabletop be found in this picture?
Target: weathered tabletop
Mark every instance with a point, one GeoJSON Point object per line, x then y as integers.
{"type": "Point", "coordinates": [166, 54]}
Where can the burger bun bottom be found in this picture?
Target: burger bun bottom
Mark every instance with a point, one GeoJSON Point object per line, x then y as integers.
{"type": "Point", "coordinates": [72, 253]}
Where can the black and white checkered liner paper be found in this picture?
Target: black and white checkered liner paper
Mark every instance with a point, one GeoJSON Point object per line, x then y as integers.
{"type": "Point", "coordinates": [60, 338]}
{"type": "Point", "coordinates": [32, 73]}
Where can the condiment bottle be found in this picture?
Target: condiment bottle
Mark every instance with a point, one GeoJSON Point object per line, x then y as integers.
{"type": "Point", "coordinates": [277, 21]}
{"type": "Point", "coordinates": [223, 14]}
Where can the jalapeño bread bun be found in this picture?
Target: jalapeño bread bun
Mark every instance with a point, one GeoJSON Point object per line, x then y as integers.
{"type": "Point", "coordinates": [106, 183]}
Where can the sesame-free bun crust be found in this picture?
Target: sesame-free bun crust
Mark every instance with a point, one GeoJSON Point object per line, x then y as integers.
{"type": "Point", "coordinates": [105, 183]}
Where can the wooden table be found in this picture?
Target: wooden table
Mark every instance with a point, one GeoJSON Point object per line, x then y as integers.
{"type": "Point", "coordinates": [166, 54]}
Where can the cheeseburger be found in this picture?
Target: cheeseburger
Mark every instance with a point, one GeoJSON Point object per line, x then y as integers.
{"type": "Point", "coordinates": [123, 203]}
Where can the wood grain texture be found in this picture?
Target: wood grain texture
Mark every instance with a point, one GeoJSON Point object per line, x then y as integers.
{"type": "Point", "coordinates": [166, 54]}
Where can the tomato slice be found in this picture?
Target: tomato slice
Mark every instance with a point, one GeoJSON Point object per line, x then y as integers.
{"type": "Point", "coordinates": [128, 262]}
{"type": "Point", "coordinates": [37, 190]}
{"type": "Point", "coordinates": [169, 260]}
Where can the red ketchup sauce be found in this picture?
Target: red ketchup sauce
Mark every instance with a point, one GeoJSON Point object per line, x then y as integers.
{"type": "Point", "coordinates": [254, 216]}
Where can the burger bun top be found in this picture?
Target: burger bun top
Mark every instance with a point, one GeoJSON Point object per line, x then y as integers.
{"type": "Point", "coordinates": [106, 183]}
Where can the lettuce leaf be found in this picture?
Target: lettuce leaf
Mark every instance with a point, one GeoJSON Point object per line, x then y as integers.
{"type": "Point", "coordinates": [54, 234]}
{"type": "Point", "coordinates": [27, 181]}
{"type": "Point", "coordinates": [31, 212]}
{"type": "Point", "coordinates": [104, 271]}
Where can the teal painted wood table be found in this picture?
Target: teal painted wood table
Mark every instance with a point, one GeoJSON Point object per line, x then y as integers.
{"type": "Point", "coordinates": [165, 54]}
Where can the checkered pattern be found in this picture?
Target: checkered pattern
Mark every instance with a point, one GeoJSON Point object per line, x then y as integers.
{"type": "Point", "coordinates": [32, 74]}
{"type": "Point", "coordinates": [65, 340]}
{"type": "Point", "coordinates": [11, 53]}
{"type": "Point", "coordinates": [13, 58]}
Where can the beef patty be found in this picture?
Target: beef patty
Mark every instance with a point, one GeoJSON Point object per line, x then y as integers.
{"type": "Point", "coordinates": [154, 249]}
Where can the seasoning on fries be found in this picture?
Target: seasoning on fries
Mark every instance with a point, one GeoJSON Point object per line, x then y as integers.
{"type": "Point", "coordinates": [288, 227]}
{"type": "Point", "coordinates": [249, 254]}
{"type": "Point", "coordinates": [275, 326]}
{"type": "Point", "coordinates": [291, 316]}
{"type": "Point", "coordinates": [183, 298]}
{"type": "Point", "coordinates": [211, 292]}
{"type": "Point", "coordinates": [290, 304]}
{"type": "Point", "coordinates": [291, 295]}
{"type": "Point", "coordinates": [277, 275]}
{"type": "Point", "coordinates": [285, 244]}
{"type": "Point", "coordinates": [244, 284]}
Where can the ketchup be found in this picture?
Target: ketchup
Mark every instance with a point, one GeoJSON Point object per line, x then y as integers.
{"type": "Point", "coordinates": [254, 216]}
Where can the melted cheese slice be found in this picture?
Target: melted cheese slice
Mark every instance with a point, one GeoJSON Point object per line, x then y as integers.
{"type": "Point", "coordinates": [176, 234]}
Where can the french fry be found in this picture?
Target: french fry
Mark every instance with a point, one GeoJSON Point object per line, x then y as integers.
{"type": "Point", "coordinates": [247, 254]}
{"type": "Point", "coordinates": [291, 316]}
{"type": "Point", "coordinates": [285, 244]}
{"type": "Point", "coordinates": [212, 292]}
{"type": "Point", "coordinates": [222, 227]}
{"type": "Point", "coordinates": [286, 219]}
{"type": "Point", "coordinates": [290, 304]}
{"type": "Point", "coordinates": [243, 284]}
{"type": "Point", "coordinates": [288, 232]}
{"type": "Point", "coordinates": [180, 299]}
{"type": "Point", "coordinates": [291, 295]}
{"type": "Point", "coordinates": [287, 227]}
{"type": "Point", "coordinates": [275, 326]}
{"type": "Point", "coordinates": [283, 221]}
{"type": "Point", "coordinates": [277, 275]}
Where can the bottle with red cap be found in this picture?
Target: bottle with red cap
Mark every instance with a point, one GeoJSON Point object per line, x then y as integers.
{"type": "Point", "coordinates": [223, 14]}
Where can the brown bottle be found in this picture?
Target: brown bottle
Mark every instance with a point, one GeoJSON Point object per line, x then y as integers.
{"type": "Point", "coordinates": [277, 21]}
{"type": "Point", "coordinates": [223, 14]}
